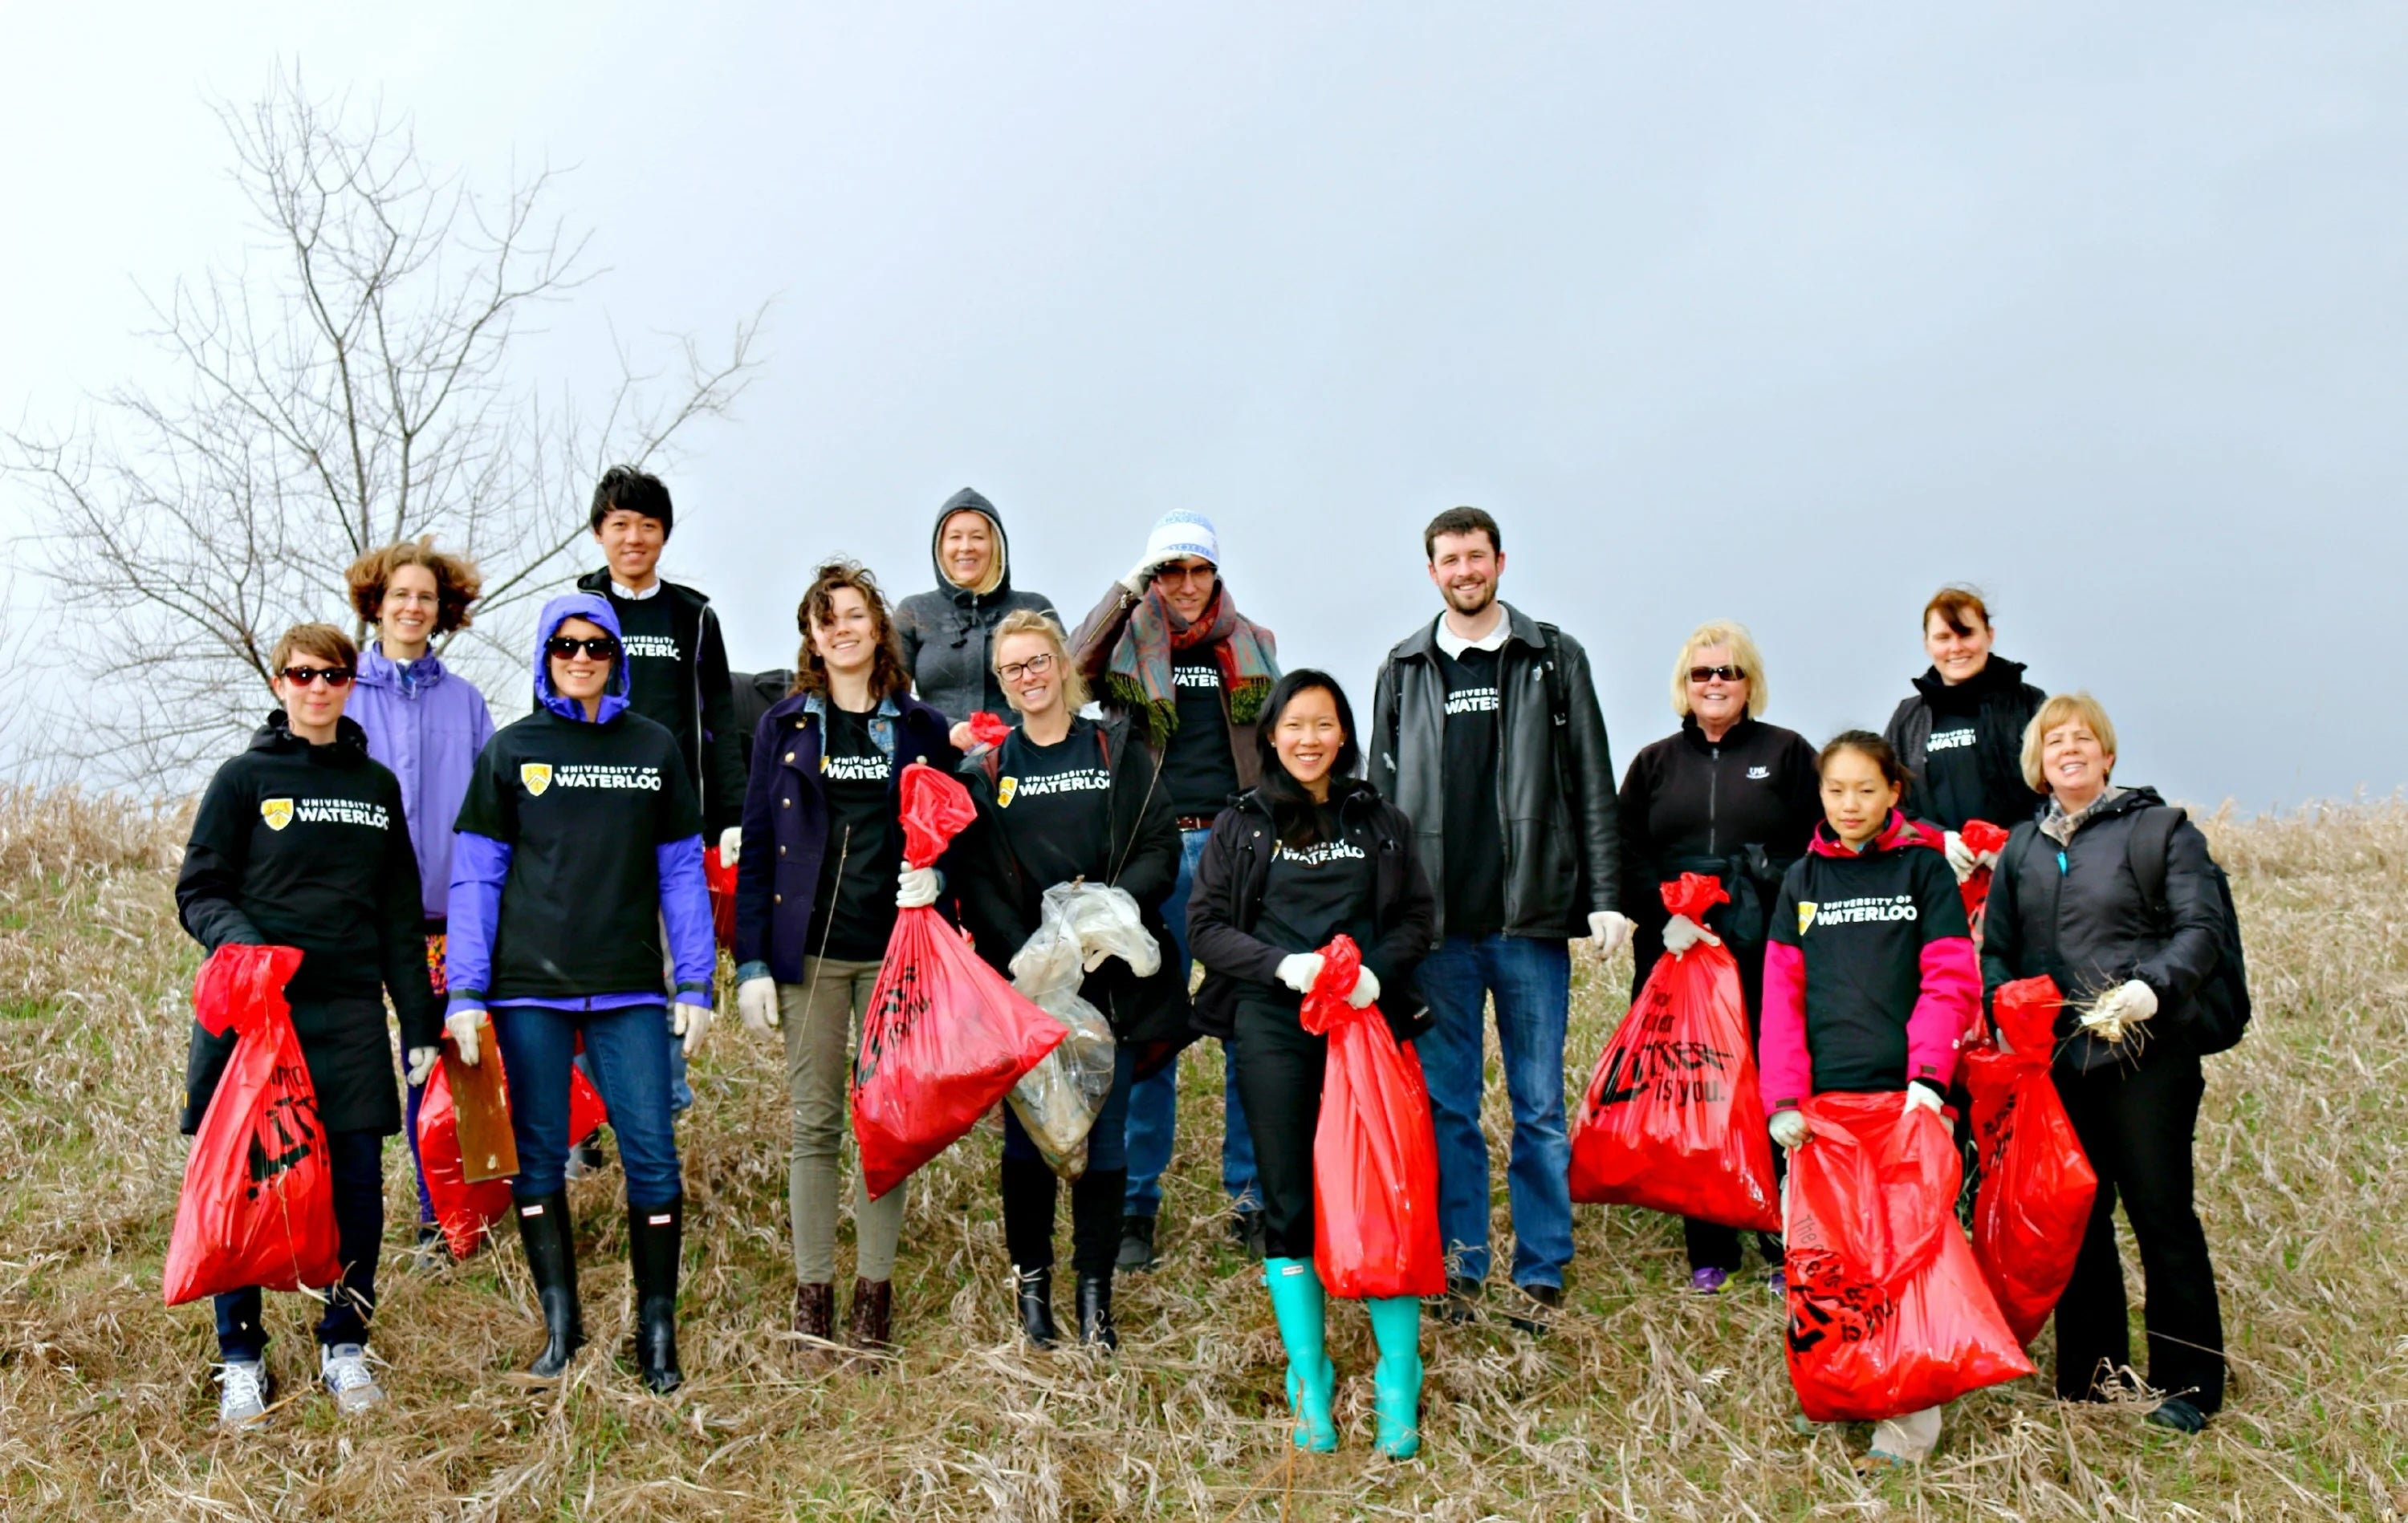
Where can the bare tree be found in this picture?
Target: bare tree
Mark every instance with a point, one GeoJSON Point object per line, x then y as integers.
{"type": "Point", "coordinates": [346, 385]}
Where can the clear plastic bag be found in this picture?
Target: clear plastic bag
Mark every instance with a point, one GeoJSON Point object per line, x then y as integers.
{"type": "Point", "coordinates": [1080, 925]}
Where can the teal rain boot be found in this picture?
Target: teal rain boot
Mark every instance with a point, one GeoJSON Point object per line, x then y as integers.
{"type": "Point", "coordinates": [1396, 1383]}
{"type": "Point", "coordinates": [1295, 1300]}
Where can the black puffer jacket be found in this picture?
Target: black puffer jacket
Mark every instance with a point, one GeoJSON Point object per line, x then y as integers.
{"type": "Point", "coordinates": [2078, 915]}
{"type": "Point", "coordinates": [1001, 906]}
{"type": "Point", "coordinates": [1227, 899]}
{"type": "Point", "coordinates": [2001, 703]}
{"type": "Point", "coordinates": [1562, 826]}
{"type": "Point", "coordinates": [946, 631]}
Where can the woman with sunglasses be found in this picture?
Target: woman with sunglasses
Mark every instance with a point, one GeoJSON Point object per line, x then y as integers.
{"type": "Point", "coordinates": [1727, 795]}
{"type": "Point", "coordinates": [581, 840]}
{"type": "Point", "coordinates": [818, 879]}
{"type": "Point", "coordinates": [1309, 852]}
{"type": "Point", "coordinates": [1065, 799]}
{"type": "Point", "coordinates": [303, 841]}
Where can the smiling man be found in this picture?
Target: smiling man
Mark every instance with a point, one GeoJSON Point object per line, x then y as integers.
{"type": "Point", "coordinates": [1487, 731]}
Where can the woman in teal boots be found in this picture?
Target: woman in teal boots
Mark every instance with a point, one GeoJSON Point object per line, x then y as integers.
{"type": "Point", "coordinates": [1307, 853]}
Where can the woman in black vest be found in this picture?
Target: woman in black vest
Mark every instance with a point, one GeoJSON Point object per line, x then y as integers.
{"type": "Point", "coordinates": [1960, 736]}
{"type": "Point", "coordinates": [1727, 795]}
{"type": "Point", "coordinates": [1065, 799]}
{"type": "Point", "coordinates": [2067, 901]}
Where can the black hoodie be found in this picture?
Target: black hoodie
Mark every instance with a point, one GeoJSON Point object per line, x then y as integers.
{"type": "Point", "coordinates": [306, 846]}
{"type": "Point", "coordinates": [946, 631]}
{"type": "Point", "coordinates": [1981, 778]}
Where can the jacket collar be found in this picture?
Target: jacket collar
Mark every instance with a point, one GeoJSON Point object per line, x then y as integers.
{"type": "Point", "coordinates": [1520, 627]}
{"type": "Point", "coordinates": [1998, 674]}
{"type": "Point", "coordinates": [677, 593]}
{"type": "Point", "coordinates": [276, 738]}
{"type": "Point", "coordinates": [1898, 832]}
{"type": "Point", "coordinates": [1738, 734]}
{"type": "Point", "coordinates": [378, 670]}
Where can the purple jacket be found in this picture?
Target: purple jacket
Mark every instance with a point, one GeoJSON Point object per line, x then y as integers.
{"type": "Point", "coordinates": [426, 724]}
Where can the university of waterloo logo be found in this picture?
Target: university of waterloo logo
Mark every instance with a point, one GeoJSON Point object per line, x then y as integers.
{"type": "Point", "coordinates": [537, 776]}
{"type": "Point", "coordinates": [1805, 915]}
{"type": "Point", "coordinates": [278, 813]}
{"type": "Point", "coordinates": [1004, 791]}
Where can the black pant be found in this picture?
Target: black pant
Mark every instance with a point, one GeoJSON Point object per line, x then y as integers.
{"type": "Point", "coordinates": [356, 1162]}
{"type": "Point", "coordinates": [2136, 1126]}
{"type": "Point", "coordinates": [1029, 1192]}
{"type": "Point", "coordinates": [1279, 1066]}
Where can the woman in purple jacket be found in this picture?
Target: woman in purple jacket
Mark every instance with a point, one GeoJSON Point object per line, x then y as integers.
{"type": "Point", "coordinates": [425, 724]}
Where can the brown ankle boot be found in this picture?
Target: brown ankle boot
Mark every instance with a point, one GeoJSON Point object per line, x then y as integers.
{"type": "Point", "coordinates": [815, 1318]}
{"type": "Point", "coordinates": [872, 1323]}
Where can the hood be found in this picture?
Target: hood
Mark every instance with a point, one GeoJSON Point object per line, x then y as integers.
{"type": "Point", "coordinates": [596, 609]}
{"type": "Point", "coordinates": [351, 745]}
{"type": "Point", "coordinates": [1998, 674]}
{"type": "Point", "coordinates": [1900, 833]}
{"type": "Point", "coordinates": [968, 499]}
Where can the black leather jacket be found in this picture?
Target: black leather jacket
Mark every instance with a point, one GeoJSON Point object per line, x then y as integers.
{"type": "Point", "coordinates": [1562, 826]}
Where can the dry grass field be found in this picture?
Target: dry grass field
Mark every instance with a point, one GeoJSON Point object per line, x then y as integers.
{"type": "Point", "coordinates": [1644, 1402]}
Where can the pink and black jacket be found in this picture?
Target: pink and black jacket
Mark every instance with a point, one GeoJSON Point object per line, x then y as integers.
{"type": "Point", "coordinates": [1870, 980]}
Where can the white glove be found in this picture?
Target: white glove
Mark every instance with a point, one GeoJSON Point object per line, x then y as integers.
{"type": "Point", "coordinates": [421, 1065]}
{"type": "Point", "coordinates": [1923, 1096]}
{"type": "Point", "coordinates": [1297, 971]}
{"type": "Point", "coordinates": [1961, 860]}
{"type": "Point", "coordinates": [916, 888]}
{"type": "Point", "coordinates": [1609, 930]}
{"type": "Point", "coordinates": [2127, 1004]}
{"type": "Point", "coordinates": [463, 1025]}
{"type": "Point", "coordinates": [1139, 576]}
{"type": "Point", "coordinates": [756, 1000]}
{"type": "Point", "coordinates": [1365, 989]}
{"type": "Point", "coordinates": [731, 845]}
{"type": "Point", "coordinates": [1788, 1128]}
{"type": "Point", "coordinates": [691, 1021]}
{"type": "Point", "coordinates": [1680, 934]}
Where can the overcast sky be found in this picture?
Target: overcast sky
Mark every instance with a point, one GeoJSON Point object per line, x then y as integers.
{"type": "Point", "coordinates": [1781, 313]}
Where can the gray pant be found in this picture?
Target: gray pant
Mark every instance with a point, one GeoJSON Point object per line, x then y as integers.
{"type": "Point", "coordinates": [822, 1019]}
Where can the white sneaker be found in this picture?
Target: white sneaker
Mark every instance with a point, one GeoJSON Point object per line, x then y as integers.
{"type": "Point", "coordinates": [343, 1369]}
{"type": "Point", "coordinates": [242, 1393]}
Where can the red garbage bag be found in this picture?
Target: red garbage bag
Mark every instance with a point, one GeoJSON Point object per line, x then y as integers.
{"type": "Point", "coordinates": [719, 876]}
{"type": "Point", "coordinates": [1980, 836]}
{"type": "Point", "coordinates": [1888, 1314]}
{"type": "Point", "coordinates": [946, 1036]}
{"type": "Point", "coordinates": [1672, 1119]}
{"type": "Point", "coordinates": [466, 1212]}
{"type": "Point", "coordinates": [988, 729]}
{"type": "Point", "coordinates": [2033, 1203]}
{"type": "Point", "coordinates": [258, 1206]}
{"type": "Point", "coordinates": [1374, 1153]}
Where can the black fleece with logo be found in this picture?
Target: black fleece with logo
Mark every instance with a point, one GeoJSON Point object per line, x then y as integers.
{"type": "Point", "coordinates": [306, 846]}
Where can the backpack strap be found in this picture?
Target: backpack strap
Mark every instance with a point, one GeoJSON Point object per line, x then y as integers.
{"type": "Point", "coordinates": [2152, 837]}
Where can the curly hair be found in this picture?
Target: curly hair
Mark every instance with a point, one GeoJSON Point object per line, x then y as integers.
{"type": "Point", "coordinates": [888, 676]}
{"type": "Point", "coordinates": [458, 581]}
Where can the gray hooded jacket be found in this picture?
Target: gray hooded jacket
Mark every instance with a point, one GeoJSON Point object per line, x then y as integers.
{"type": "Point", "coordinates": [946, 633]}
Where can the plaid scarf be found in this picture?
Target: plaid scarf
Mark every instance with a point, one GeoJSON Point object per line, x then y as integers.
{"type": "Point", "coordinates": [1140, 672]}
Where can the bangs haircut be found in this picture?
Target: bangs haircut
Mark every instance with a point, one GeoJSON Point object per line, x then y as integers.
{"type": "Point", "coordinates": [2059, 708]}
{"type": "Point", "coordinates": [458, 581]}
{"type": "Point", "coordinates": [1959, 604]}
{"type": "Point", "coordinates": [1733, 635]}
{"type": "Point", "coordinates": [1293, 817]}
{"type": "Point", "coordinates": [1030, 621]}
{"type": "Point", "coordinates": [323, 641]}
{"type": "Point", "coordinates": [888, 676]}
{"type": "Point", "coordinates": [1868, 746]}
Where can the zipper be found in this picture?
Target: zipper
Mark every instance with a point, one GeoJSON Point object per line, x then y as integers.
{"type": "Point", "coordinates": [1714, 797]}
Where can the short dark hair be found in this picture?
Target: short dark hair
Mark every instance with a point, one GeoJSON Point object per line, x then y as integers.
{"type": "Point", "coordinates": [638, 492]}
{"type": "Point", "coordinates": [1868, 746]}
{"type": "Point", "coordinates": [1958, 604]}
{"type": "Point", "coordinates": [1460, 521]}
{"type": "Point", "coordinates": [1292, 812]}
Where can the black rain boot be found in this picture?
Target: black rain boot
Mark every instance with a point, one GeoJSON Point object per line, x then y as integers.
{"type": "Point", "coordinates": [552, 1263]}
{"type": "Point", "coordinates": [654, 1236]}
{"type": "Point", "coordinates": [1095, 1226]}
{"type": "Point", "coordinates": [1035, 1293]}
{"type": "Point", "coordinates": [1096, 1312]}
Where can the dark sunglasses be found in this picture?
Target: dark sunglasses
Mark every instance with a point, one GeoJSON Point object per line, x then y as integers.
{"type": "Point", "coordinates": [333, 676]}
{"type": "Point", "coordinates": [1710, 674]}
{"type": "Point", "coordinates": [601, 647]}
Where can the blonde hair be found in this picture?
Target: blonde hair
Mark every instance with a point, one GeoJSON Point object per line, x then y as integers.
{"type": "Point", "coordinates": [1730, 633]}
{"type": "Point", "coordinates": [995, 563]}
{"type": "Point", "coordinates": [2055, 711]}
{"type": "Point", "coordinates": [1030, 621]}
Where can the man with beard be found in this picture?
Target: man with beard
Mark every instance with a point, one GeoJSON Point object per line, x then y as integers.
{"type": "Point", "coordinates": [1487, 731]}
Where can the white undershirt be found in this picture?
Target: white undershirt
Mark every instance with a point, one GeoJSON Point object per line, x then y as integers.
{"type": "Point", "coordinates": [630, 593]}
{"type": "Point", "coordinates": [1456, 645]}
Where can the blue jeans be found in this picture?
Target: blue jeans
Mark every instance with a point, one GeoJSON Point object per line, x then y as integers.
{"type": "Point", "coordinates": [628, 1051]}
{"type": "Point", "coordinates": [1153, 1101]}
{"type": "Point", "coordinates": [1532, 983]}
{"type": "Point", "coordinates": [1106, 1142]}
{"type": "Point", "coordinates": [355, 1159]}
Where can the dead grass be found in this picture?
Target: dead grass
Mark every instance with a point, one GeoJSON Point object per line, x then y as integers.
{"type": "Point", "coordinates": [1646, 1402]}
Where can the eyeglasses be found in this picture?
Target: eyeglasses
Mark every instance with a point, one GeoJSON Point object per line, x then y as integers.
{"type": "Point", "coordinates": [1033, 666]}
{"type": "Point", "coordinates": [333, 676]}
{"type": "Point", "coordinates": [1717, 674]}
{"type": "Point", "coordinates": [601, 647]}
